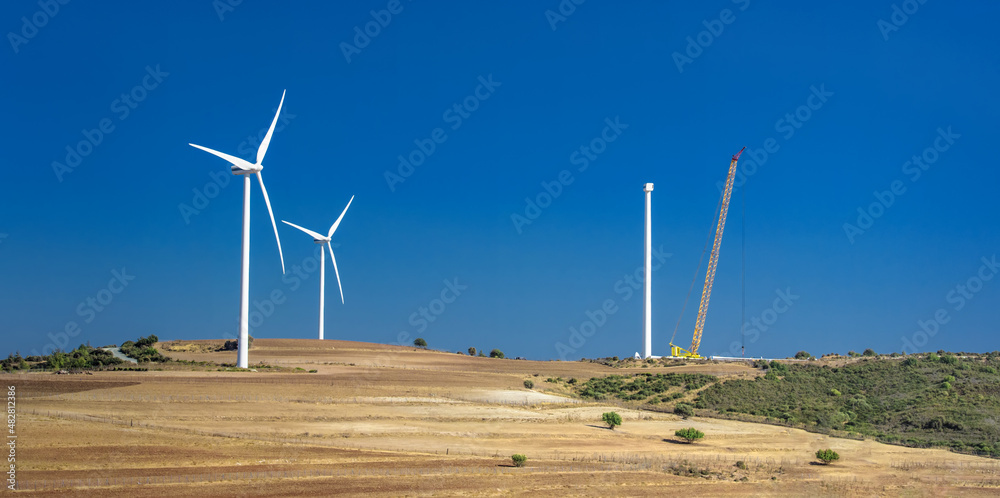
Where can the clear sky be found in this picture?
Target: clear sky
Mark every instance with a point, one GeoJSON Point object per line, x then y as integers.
{"type": "Point", "coordinates": [113, 227]}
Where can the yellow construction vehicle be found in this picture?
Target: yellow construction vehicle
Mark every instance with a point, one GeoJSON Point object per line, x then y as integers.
{"type": "Point", "coordinates": [713, 262]}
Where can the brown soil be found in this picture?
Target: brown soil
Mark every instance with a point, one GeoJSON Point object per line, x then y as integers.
{"type": "Point", "coordinates": [386, 420]}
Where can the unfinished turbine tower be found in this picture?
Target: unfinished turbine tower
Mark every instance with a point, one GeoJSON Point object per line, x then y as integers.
{"type": "Point", "coordinates": [647, 303]}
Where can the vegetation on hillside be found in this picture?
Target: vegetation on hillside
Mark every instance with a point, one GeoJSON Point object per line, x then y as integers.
{"type": "Point", "coordinates": [234, 344]}
{"type": "Point", "coordinates": [933, 400]}
{"type": "Point", "coordinates": [690, 434]}
{"type": "Point", "coordinates": [82, 358]}
{"type": "Point", "coordinates": [613, 419]}
{"type": "Point", "coordinates": [827, 456]}
{"type": "Point", "coordinates": [142, 350]}
{"type": "Point", "coordinates": [649, 387]}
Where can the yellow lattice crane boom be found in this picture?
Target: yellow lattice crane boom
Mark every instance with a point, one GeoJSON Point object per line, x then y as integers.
{"type": "Point", "coordinates": [713, 262]}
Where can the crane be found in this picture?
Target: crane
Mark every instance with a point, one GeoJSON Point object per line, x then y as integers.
{"type": "Point", "coordinates": [713, 262]}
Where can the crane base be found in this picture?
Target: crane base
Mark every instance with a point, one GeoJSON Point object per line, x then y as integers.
{"type": "Point", "coordinates": [679, 352]}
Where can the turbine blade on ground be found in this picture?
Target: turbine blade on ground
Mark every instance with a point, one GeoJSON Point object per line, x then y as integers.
{"type": "Point", "coordinates": [306, 230]}
{"type": "Point", "coordinates": [273, 224]}
{"type": "Point", "coordinates": [239, 163]}
{"type": "Point", "coordinates": [333, 228]}
{"type": "Point", "coordinates": [336, 272]}
{"type": "Point", "coordinates": [270, 131]}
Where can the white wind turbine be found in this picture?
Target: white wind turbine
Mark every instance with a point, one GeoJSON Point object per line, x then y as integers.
{"type": "Point", "coordinates": [243, 167]}
{"type": "Point", "coordinates": [319, 239]}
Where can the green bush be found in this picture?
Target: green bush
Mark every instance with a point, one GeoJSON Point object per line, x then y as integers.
{"type": "Point", "coordinates": [612, 419]}
{"type": "Point", "coordinates": [529, 384]}
{"type": "Point", "coordinates": [496, 353]}
{"type": "Point", "coordinates": [684, 410]}
{"type": "Point", "coordinates": [690, 434]}
{"type": "Point", "coordinates": [802, 355]}
{"type": "Point", "coordinates": [827, 456]}
{"type": "Point", "coordinates": [518, 459]}
{"type": "Point", "coordinates": [420, 342]}
{"type": "Point", "coordinates": [472, 351]}
{"type": "Point", "coordinates": [869, 352]}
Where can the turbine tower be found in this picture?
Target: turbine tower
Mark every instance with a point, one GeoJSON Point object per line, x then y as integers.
{"type": "Point", "coordinates": [647, 303]}
{"type": "Point", "coordinates": [243, 167]}
{"type": "Point", "coordinates": [319, 239]}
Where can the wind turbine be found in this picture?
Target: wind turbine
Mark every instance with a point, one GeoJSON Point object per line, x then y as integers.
{"type": "Point", "coordinates": [319, 239]}
{"type": "Point", "coordinates": [243, 167]}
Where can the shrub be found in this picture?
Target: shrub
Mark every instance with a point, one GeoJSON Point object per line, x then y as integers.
{"type": "Point", "coordinates": [420, 342]}
{"type": "Point", "coordinates": [518, 459]}
{"type": "Point", "coordinates": [740, 464]}
{"type": "Point", "coordinates": [313, 371]}
{"type": "Point", "coordinates": [869, 352]}
{"type": "Point", "coordinates": [802, 355]}
{"type": "Point", "coordinates": [496, 353]}
{"type": "Point", "coordinates": [472, 351]}
{"type": "Point", "coordinates": [571, 381]}
{"type": "Point", "coordinates": [834, 392]}
{"type": "Point", "coordinates": [827, 456]}
{"type": "Point", "coordinates": [612, 419]}
{"type": "Point", "coordinates": [684, 410]}
{"type": "Point", "coordinates": [690, 434]}
{"type": "Point", "coordinates": [853, 354]}
{"type": "Point", "coordinates": [529, 384]}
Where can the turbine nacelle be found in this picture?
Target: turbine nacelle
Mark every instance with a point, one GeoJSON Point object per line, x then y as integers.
{"type": "Point", "coordinates": [250, 171]}
{"type": "Point", "coordinates": [318, 238]}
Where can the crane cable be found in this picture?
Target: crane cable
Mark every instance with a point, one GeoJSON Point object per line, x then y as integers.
{"type": "Point", "coordinates": [743, 272]}
{"type": "Point", "coordinates": [698, 270]}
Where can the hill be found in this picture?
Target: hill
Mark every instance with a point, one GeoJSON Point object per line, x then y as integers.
{"type": "Point", "coordinates": [926, 400]}
{"type": "Point", "coordinates": [315, 416]}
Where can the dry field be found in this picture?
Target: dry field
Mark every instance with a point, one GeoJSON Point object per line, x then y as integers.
{"type": "Point", "coordinates": [386, 420]}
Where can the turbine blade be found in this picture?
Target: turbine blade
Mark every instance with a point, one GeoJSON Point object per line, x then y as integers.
{"type": "Point", "coordinates": [273, 224]}
{"type": "Point", "coordinates": [306, 230]}
{"type": "Point", "coordinates": [336, 272]}
{"type": "Point", "coordinates": [333, 228]}
{"type": "Point", "coordinates": [239, 163]}
{"type": "Point", "coordinates": [270, 131]}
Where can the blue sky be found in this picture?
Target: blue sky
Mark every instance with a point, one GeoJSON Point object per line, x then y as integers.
{"type": "Point", "coordinates": [833, 101]}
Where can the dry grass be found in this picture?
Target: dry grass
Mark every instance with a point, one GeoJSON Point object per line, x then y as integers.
{"type": "Point", "coordinates": [390, 420]}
